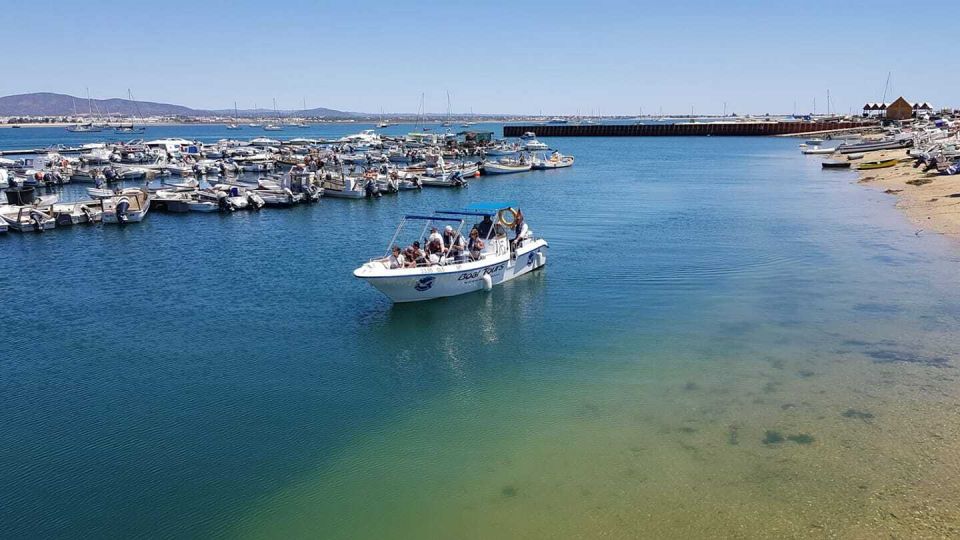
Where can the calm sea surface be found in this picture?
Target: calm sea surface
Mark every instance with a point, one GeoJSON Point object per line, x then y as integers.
{"type": "Point", "coordinates": [225, 375]}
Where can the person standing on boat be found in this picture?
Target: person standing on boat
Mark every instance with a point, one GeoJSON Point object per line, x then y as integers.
{"type": "Point", "coordinates": [453, 243]}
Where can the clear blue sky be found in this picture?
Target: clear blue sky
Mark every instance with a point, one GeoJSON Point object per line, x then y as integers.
{"type": "Point", "coordinates": [512, 57]}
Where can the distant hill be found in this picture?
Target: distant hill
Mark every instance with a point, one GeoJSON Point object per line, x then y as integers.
{"type": "Point", "coordinates": [50, 104]}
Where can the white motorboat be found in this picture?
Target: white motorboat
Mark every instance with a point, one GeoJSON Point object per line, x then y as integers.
{"type": "Point", "coordinates": [481, 265]}
{"type": "Point", "coordinates": [555, 161]}
{"type": "Point", "coordinates": [272, 127]}
{"type": "Point", "coordinates": [349, 187]}
{"type": "Point", "coordinates": [75, 213]}
{"type": "Point", "coordinates": [501, 150]}
{"type": "Point", "coordinates": [506, 166]}
{"type": "Point", "coordinates": [527, 135]}
{"type": "Point", "coordinates": [129, 206]}
{"type": "Point", "coordinates": [535, 145]}
{"type": "Point", "coordinates": [27, 219]}
{"type": "Point", "coordinates": [818, 150]}
{"type": "Point", "coordinates": [97, 156]}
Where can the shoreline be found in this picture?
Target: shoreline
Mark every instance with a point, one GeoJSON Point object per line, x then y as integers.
{"type": "Point", "coordinates": [930, 201]}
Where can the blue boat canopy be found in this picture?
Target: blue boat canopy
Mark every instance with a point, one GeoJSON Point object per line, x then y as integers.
{"type": "Point", "coordinates": [434, 218]}
{"type": "Point", "coordinates": [482, 208]}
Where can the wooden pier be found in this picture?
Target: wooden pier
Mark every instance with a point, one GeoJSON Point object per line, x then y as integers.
{"type": "Point", "coordinates": [728, 129]}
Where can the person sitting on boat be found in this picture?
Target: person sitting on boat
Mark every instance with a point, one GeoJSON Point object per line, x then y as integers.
{"type": "Point", "coordinates": [414, 257]}
{"type": "Point", "coordinates": [435, 236]}
{"type": "Point", "coordinates": [521, 230]}
{"type": "Point", "coordinates": [475, 245]}
{"type": "Point", "coordinates": [453, 242]}
{"type": "Point", "coordinates": [395, 259]}
{"type": "Point", "coordinates": [434, 250]}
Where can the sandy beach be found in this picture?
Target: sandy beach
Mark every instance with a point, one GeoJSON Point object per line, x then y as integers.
{"type": "Point", "coordinates": [930, 200]}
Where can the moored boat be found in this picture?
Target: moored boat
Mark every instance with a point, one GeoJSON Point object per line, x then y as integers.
{"type": "Point", "coordinates": [506, 166]}
{"type": "Point", "coordinates": [556, 160]}
{"type": "Point", "coordinates": [128, 206]}
{"type": "Point", "coordinates": [835, 164]}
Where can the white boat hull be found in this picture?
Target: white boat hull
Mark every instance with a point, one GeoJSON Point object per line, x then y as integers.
{"type": "Point", "coordinates": [499, 168]}
{"type": "Point", "coordinates": [428, 283]}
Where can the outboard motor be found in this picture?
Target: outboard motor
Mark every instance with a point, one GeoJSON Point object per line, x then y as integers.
{"type": "Point", "coordinates": [197, 169]}
{"type": "Point", "coordinates": [225, 205]}
{"type": "Point", "coordinates": [110, 174]}
{"type": "Point", "coordinates": [37, 219]}
{"type": "Point", "coordinates": [256, 201]}
{"type": "Point", "coordinates": [47, 178]}
{"type": "Point", "coordinates": [372, 189]}
{"type": "Point", "coordinates": [123, 209]}
{"type": "Point", "coordinates": [457, 179]}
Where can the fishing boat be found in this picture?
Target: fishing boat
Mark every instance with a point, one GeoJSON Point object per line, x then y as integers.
{"type": "Point", "coordinates": [479, 266]}
{"type": "Point", "coordinates": [27, 219]}
{"type": "Point", "coordinates": [506, 166]}
{"type": "Point", "coordinates": [128, 206]}
{"type": "Point", "coordinates": [835, 164]}
{"type": "Point", "coordinates": [880, 164]}
{"type": "Point", "coordinates": [555, 161]}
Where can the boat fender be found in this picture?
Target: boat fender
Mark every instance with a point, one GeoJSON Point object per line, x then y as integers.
{"type": "Point", "coordinates": [487, 282]}
{"type": "Point", "coordinates": [541, 259]}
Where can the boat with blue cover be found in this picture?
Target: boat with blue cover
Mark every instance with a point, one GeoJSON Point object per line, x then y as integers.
{"type": "Point", "coordinates": [498, 247]}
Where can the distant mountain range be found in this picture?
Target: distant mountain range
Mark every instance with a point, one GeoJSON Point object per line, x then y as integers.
{"type": "Point", "coordinates": [50, 104]}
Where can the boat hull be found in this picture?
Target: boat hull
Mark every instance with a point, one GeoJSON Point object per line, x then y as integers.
{"type": "Point", "coordinates": [428, 283]}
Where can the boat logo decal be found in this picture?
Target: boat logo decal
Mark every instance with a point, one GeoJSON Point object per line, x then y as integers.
{"type": "Point", "coordinates": [424, 284]}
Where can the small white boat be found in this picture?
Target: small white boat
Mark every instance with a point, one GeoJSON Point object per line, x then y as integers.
{"type": "Point", "coordinates": [854, 157]}
{"type": "Point", "coordinates": [129, 206]}
{"type": "Point", "coordinates": [528, 135]}
{"type": "Point", "coordinates": [27, 219]}
{"type": "Point", "coordinates": [478, 266]}
{"type": "Point", "coordinates": [202, 206]}
{"type": "Point", "coordinates": [555, 161]}
{"type": "Point", "coordinates": [506, 166]}
{"type": "Point", "coordinates": [817, 150]}
{"type": "Point", "coordinates": [75, 213]}
{"type": "Point", "coordinates": [272, 127]}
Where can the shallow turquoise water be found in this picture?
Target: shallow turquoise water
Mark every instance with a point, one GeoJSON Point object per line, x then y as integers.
{"type": "Point", "coordinates": [223, 375]}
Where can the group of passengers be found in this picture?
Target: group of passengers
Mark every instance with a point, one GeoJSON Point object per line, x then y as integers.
{"type": "Point", "coordinates": [450, 245]}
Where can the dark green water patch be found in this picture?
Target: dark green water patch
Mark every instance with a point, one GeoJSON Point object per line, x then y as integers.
{"type": "Point", "coordinates": [889, 356]}
{"type": "Point", "coordinates": [801, 438]}
{"type": "Point", "coordinates": [508, 491]}
{"type": "Point", "coordinates": [772, 437]}
{"type": "Point", "coordinates": [860, 415]}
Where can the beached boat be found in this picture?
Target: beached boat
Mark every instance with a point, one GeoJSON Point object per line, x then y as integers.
{"type": "Point", "coordinates": [555, 161]}
{"type": "Point", "coordinates": [129, 206]}
{"type": "Point", "coordinates": [835, 164]}
{"type": "Point", "coordinates": [853, 157]}
{"type": "Point", "coordinates": [888, 144]}
{"type": "Point", "coordinates": [881, 164]}
{"type": "Point", "coordinates": [818, 150]}
{"type": "Point", "coordinates": [506, 166]}
{"type": "Point", "coordinates": [479, 266]}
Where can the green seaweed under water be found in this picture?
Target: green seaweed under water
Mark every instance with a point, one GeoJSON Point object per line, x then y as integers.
{"type": "Point", "coordinates": [772, 437]}
{"type": "Point", "coordinates": [801, 438]}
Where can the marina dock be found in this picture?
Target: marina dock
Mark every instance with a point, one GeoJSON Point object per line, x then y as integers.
{"type": "Point", "coordinates": [692, 129]}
